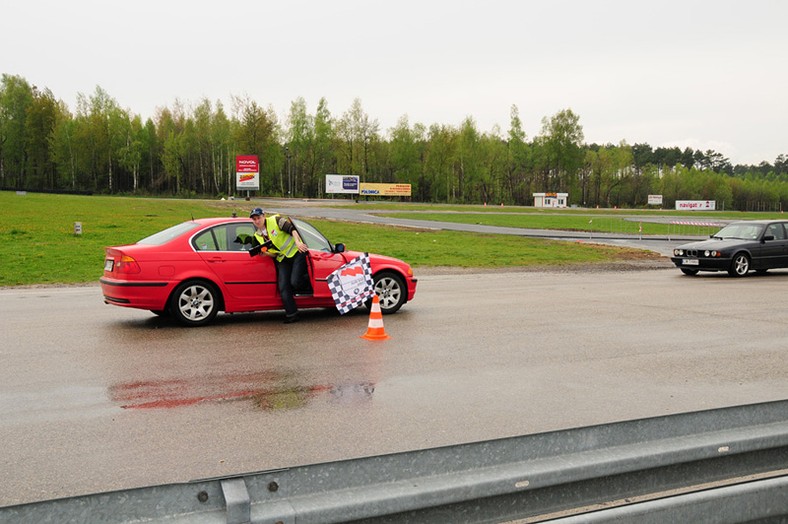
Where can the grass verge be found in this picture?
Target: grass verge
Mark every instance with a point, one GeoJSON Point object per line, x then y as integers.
{"type": "Point", "coordinates": [38, 244]}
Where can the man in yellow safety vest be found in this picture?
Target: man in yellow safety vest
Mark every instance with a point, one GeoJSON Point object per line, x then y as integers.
{"type": "Point", "coordinates": [289, 252]}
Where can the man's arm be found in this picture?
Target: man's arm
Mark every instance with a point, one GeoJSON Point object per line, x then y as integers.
{"type": "Point", "coordinates": [286, 225]}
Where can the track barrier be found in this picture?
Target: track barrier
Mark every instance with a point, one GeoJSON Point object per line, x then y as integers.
{"type": "Point", "coordinates": [721, 465]}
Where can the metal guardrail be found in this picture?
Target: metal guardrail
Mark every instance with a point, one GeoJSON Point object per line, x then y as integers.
{"type": "Point", "coordinates": [722, 465]}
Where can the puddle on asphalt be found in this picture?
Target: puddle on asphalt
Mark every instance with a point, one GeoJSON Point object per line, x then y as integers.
{"type": "Point", "coordinates": [266, 390]}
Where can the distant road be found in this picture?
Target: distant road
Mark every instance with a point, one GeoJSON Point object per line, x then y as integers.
{"type": "Point", "coordinates": [659, 243]}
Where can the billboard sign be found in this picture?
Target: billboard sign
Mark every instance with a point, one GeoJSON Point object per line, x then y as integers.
{"type": "Point", "coordinates": [385, 189]}
{"type": "Point", "coordinates": [696, 205]}
{"type": "Point", "coordinates": [347, 184]}
{"type": "Point", "coordinates": [655, 200]}
{"type": "Point", "coordinates": [247, 172]}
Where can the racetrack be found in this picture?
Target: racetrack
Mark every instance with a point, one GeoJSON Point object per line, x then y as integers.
{"type": "Point", "coordinates": [97, 398]}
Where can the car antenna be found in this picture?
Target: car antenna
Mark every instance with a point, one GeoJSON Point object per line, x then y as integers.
{"type": "Point", "coordinates": [192, 217]}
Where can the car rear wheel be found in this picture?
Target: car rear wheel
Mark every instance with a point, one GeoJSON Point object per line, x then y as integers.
{"type": "Point", "coordinates": [195, 303]}
{"type": "Point", "coordinates": [690, 272]}
{"type": "Point", "coordinates": [391, 290]}
{"type": "Point", "coordinates": [740, 265]}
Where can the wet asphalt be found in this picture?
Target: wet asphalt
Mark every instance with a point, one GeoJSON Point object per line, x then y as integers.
{"type": "Point", "coordinates": [97, 398]}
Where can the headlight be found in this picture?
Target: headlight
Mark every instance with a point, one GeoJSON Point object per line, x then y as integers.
{"type": "Point", "coordinates": [706, 253]}
{"type": "Point", "coordinates": [678, 252]}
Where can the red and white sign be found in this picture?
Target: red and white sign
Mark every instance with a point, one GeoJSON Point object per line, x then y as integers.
{"type": "Point", "coordinates": [696, 205]}
{"type": "Point", "coordinates": [247, 172]}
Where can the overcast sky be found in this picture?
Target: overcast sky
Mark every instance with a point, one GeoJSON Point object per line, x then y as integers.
{"type": "Point", "coordinates": [706, 74]}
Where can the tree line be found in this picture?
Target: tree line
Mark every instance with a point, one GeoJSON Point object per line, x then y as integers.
{"type": "Point", "coordinates": [186, 151]}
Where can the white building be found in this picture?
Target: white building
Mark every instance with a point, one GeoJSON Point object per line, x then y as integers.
{"type": "Point", "coordinates": [551, 199]}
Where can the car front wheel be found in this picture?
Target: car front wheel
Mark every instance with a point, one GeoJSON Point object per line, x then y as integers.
{"type": "Point", "coordinates": [690, 272]}
{"type": "Point", "coordinates": [740, 265]}
{"type": "Point", "coordinates": [195, 303]}
{"type": "Point", "coordinates": [391, 290]}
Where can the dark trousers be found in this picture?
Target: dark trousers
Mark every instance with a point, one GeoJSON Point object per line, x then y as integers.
{"type": "Point", "coordinates": [291, 277]}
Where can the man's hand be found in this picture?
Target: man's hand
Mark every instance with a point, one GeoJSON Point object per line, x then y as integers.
{"type": "Point", "coordinates": [260, 249]}
{"type": "Point", "coordinates": [303, 248]}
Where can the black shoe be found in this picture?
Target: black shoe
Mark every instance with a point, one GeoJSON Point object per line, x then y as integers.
{"type": "Point", "coordinates": [290, 320]}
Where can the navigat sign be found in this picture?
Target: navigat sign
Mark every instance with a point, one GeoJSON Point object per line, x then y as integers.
{"type": "Point", "coordinates": [352, 284]}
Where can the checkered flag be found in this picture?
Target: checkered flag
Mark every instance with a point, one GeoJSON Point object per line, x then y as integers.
{"type": "Point", "coordinates": [352, 284]}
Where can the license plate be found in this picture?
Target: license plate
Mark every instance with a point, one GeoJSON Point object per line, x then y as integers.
{"type": "Point", "coordinates": [690, 262]}
{"type": "Point", "coordinates": [108, 265]}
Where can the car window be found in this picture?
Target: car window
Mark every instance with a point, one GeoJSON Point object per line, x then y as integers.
{"type": "Point", "coordinates": [237, 236]}
{"type": "Point", "coordinates": [752, 232]}
{"type": "Point", "coordinates": [777, 230]}
{"type": "Point", "coordinates": [741, 231]}
{"type": "Point", "coordinates": [225, 237]}
{"type": "Point", "coordinates": [168, 234]}
{"type": "Point", "coordinates": [312, 237]}
{"type": "Point", "coordinates": [206, 241]}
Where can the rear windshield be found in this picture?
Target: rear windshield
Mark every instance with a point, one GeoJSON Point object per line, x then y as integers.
{"type": "Point", "coordinates": [162, 237]}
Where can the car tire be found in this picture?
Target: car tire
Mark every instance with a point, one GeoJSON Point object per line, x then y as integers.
{"type": "Point", "coordinates": [195, 303]}
{"type": "Point", "coordinates": [740, 265]}
{"type": "Point", "coordinates": [391, 290]}
{"type": "Point", "coordinates": [689, 272]}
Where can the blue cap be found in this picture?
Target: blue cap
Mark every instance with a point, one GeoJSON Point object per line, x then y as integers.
{"type": "Point", "coordinates": [256, 211]}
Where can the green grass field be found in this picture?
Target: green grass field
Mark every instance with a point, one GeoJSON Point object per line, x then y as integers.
{"type": "Point", "coordinates": [38, 244]}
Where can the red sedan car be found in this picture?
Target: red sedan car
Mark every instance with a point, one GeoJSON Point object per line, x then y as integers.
{"type": "Point", "coordinates": [195, 269]}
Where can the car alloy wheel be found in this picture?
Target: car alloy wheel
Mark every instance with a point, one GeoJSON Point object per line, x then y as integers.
{"type": "Point", "coordinates": [195, 303]}
{"type": "Point", "coordinates": [740, 265]}
{"type": "Point", "coordinates": [391, 292]}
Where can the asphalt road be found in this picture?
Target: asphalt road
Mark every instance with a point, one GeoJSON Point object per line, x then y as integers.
{"type": "Point", "coordinates": [661, 244]}
{"type": "Point", "coordinates": [96, 398]}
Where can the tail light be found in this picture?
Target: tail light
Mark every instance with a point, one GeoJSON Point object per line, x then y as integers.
{"type": "Point", "coordinates": [127, 265]}
{"type": "Point", "coordinates": [123, 263]}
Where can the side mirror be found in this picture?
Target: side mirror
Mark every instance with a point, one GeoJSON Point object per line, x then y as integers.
{"type": "Point", "coordinates": [339, 248]}
{"type": "Point", "coordinates": [768, 237]}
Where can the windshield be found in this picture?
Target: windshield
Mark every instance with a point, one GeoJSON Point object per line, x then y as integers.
{"type": "Point", "coordinates": [162, 237]}
{"type": "Point", "coordinates": [740, 231]}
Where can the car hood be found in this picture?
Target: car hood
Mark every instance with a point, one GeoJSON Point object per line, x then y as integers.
{"type": "Point", "coordinates": [712, 244]}
{"type": "Point", "coordinates": [378, 259]}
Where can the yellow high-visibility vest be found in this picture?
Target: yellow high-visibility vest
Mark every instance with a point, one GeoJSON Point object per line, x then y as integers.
{"type": "Point", "coordinates": [283, 242]}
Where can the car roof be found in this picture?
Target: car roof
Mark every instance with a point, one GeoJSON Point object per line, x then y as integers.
{"type": "Point", "coordinates": [760, 221]}
{"type": "Point", "coordinates": [218, 220]}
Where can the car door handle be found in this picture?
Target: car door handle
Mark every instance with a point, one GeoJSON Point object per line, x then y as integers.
{"type": "Point", "coordinates": [214, 260]}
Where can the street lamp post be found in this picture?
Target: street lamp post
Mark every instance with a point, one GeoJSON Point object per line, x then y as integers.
{"type": "Point", "coordinates": [289, 176]}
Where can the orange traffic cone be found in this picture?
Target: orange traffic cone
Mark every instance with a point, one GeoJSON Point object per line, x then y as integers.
{"type": "Point", "coordinates": [375, 331]}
